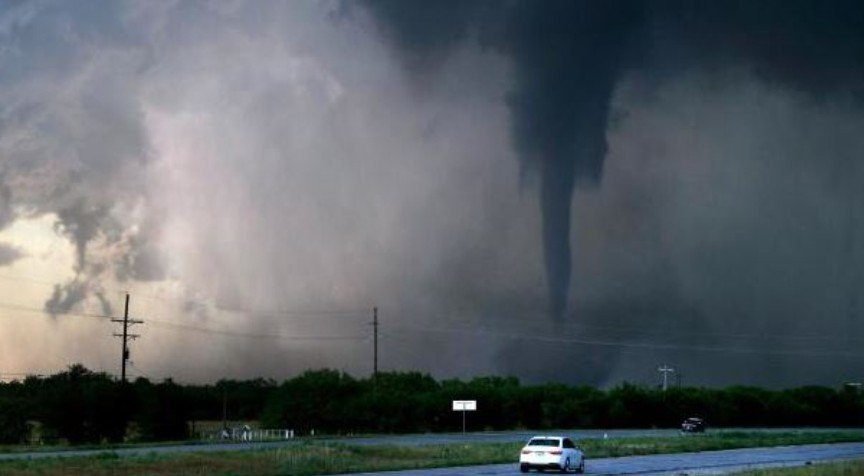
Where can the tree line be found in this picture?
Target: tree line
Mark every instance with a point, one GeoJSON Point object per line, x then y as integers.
{"type": "Point", "coordinates": [81, 406]}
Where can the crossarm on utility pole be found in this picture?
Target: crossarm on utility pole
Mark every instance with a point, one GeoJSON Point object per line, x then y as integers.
{"type": "Point", "coordinates": [126, 337]}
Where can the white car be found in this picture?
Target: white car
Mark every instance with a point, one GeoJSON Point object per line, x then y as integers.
{"type": "Point", "coordinates": [551, 452]}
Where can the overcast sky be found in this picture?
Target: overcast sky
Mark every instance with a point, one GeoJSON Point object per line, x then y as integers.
{"type": "Point", "coordinates": [549, 190]}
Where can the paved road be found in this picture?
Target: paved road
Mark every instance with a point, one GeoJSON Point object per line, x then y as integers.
{"type": "Point", "coordinates": [500, 436]}
{"type": "Point", "coordinates": [409, 440]}
{"type": "Point", "coordinates": [522, 436]}
{"type": "Point", "coordinates": [708, 462]}
{"type": "Point", "coordinates": [404, 440]}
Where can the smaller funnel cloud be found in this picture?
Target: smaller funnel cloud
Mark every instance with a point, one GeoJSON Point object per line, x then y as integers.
{"type": "Point", "coordinates": [87, 226]}
{"type": "Point", "coordinates": [64, 298]}
{"type": "Point", "coordinates": [71, 139]}
{"type": "Point", "coordinates": [81, 223]}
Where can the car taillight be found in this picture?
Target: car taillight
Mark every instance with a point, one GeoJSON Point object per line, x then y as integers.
{"type": "Point", "coordinates": [526, 452]}
{"type": "Point", "coordinates": [557, 452]}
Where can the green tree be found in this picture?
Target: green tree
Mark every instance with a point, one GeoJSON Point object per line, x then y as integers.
{"type": "Point", "coordinates": [316, 400]}
{"type": "Point", "coordinates": [82, 406]}
{"type": "Point", "coordinates": [162, 412]}
{"type": "Point", "coordinates": [14, 428]}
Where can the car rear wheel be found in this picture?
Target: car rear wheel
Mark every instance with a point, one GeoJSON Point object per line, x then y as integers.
{"type": "Point", "coordinates": [581, 468]}
{"type": "Point", "coordinates": [524, 467]}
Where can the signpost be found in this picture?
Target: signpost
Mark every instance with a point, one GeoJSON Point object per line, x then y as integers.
{"type": "Point", "coordinates": [464, 406]}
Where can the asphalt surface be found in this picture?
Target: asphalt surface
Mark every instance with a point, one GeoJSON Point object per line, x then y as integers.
{"type": "Point", "coordinates": [402, 440]}
{"type": "Point", "coordinates": [405, 440]}
{"type": "Point", "coordinates": [500, 436]}
{"type": "Point", "coordinates": [707, 462]}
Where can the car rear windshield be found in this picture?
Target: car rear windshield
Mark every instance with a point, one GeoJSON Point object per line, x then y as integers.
{"type": "Point", "coordinates": [544, 442]}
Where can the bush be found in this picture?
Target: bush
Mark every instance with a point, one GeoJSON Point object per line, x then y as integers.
{"type": "Point", "coordinates": [82, 406]}
{"type": "Point", "coordinates": [162, 412]}
{"type": "Point", "coordinates": [14, 428]}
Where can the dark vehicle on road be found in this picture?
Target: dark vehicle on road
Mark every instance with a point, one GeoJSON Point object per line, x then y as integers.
{"type": "Point", "coordinates": [693, 425]}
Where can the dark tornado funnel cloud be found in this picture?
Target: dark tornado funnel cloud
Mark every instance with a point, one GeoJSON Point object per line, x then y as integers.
{"type": "Point", "coordinates": [556, 192]}
{"type": "Point", "coordinates": [566, 57]}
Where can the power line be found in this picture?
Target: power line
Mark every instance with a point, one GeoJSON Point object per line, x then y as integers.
{"type": "Point", "coordinates": [539, 319]}
{"type": "Point", "coordinates": [584, 341]}
{"type": "Point", "coordinates": [300, 313]}
{"type": "Point", "coordinates": [185, 327]}
{"type": "Point", "coordinates": [209, 330]}
{"type": "Point", "coordinates": [634, 345]}
{"type": "Point", "coordinates": [524, 318]}
{"type": "Point", "coordinates": [16, 307]}
{"type": "Point", "coordinates": [604, 343]}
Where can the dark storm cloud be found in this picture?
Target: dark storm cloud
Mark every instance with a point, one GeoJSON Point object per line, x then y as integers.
{"type": "Point", "coordinates": [6, 213]}
{"type": "Point", "coordinates": [814, 46]}
{"type": "Point", "coordinates": [9, 254]}
{"type": "Point", "coordinates": [70, 126]}
{"type": "Point", "coordinates": [67, 297]}
{"type": "Point", "coordinates": [568, 57]}
{"type": "Point", "coordinates": [104, 304]}
{"type": "Point", "coordinates": [236, 140]}
{"type": "Point", "coordinates": [272, 155]}
{"type": "Point", "coordinates": [143, 262]}
{"type": "Point", "coordinates": [64, 298]}
{"type": "Point", "coordinates": [81, 222]}
{"type": "Point", "coordinates": [429, 30]}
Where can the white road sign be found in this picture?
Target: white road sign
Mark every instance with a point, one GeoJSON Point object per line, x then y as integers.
{"type": "Point", "coordinates": [464, 405]}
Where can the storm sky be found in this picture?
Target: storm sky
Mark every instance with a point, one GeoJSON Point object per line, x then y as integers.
{"type": "Point", "coordinates": [573, 191]}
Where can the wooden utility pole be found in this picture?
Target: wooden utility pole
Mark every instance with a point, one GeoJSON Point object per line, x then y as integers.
{"type": "Point", "coordinates": [126, 336]}
{"type": "Point", "coordinates": [375, 343]}
{"type": "Point", "coordinates": [224, 408]}
{"type": "Point", "coordinates": [665, 370]}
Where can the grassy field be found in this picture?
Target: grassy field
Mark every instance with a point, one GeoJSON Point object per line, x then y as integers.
{"type": "Point", "coordinates": [850, 468]}
{"type": "Point", "coordinates": [310, 458]}
{"type": "Point", "coordinates": [201, 428]}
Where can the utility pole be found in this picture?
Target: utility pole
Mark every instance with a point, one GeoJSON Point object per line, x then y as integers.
{"type": "Point", "coordinates": [126, 336]}
{"type": "Point", "coordinates": [852, 262]}
{"type": "Point", "coordinates": [375, 343]}
{"type": "Point", "coordinates": [665, 370]}
{"type": "Point", "coordinates": [224, 408]}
